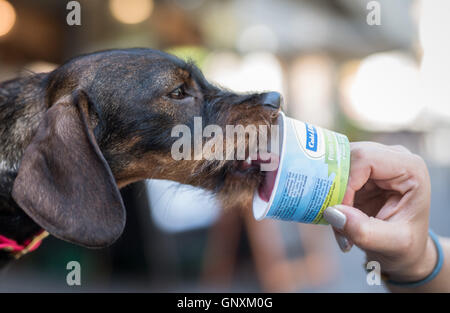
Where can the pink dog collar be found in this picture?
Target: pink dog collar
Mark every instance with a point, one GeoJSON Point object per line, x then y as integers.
{"type": "Point", "coordinates": [17, 250]}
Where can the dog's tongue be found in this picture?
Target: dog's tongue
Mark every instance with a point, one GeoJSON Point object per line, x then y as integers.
{"type": "Point", "coordinates": [266, 187]}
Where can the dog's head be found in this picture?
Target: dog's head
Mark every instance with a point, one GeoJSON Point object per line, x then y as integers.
{"type": "Point", "coordinates": [110, 122]}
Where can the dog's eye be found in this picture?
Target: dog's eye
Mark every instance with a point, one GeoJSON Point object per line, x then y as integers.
{"type": "Point", "coordinates": [177, 93]}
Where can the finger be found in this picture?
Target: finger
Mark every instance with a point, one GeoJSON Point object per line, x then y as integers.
{"type": "Point", "coordinates": [392, 168]}
{"type": "Point", "coordinates": [390, 207]}
{"type": "Point", "coordinates": [377, 162]}
{"type": "Point", "coordinates": [344, 244]}
{"type": "Point", "coordinates": [400, 148]}
{"type": "Point", "coordinates": [366, 232]}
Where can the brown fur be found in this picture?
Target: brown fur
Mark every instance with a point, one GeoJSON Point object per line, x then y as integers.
{"type": "Point", "coordinates": [69, 138]}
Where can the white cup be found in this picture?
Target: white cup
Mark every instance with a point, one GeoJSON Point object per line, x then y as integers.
{"type": "Point", "coordinates": [312, 174]}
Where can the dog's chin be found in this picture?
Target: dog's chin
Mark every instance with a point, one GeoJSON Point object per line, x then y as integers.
{"type": "Point", "coordinates": [239, 186]}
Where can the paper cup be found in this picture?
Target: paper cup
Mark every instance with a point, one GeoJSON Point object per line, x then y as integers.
{"type": "Point", "coordinates": [312, 174]}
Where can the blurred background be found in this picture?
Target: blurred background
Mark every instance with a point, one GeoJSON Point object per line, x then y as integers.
{"type": "Point", "coordinates": [387, 83]}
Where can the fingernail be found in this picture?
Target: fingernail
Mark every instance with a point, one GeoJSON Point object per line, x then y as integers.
{"type": "Point", "coordinates": [335, 217]}
{"type": "Point", "coordinates": [344, 243]}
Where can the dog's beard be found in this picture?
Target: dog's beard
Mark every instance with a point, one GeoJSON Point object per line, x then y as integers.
{"type": "Point", "coordinates": [234, 181]}
{"type": "Point", "coordinates": [237, 192]}
{"type": "Point", "coordinates": [233, 186]}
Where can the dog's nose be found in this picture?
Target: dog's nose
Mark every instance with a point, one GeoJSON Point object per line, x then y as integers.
{"type": "Point", "coordinates": [272, 99]}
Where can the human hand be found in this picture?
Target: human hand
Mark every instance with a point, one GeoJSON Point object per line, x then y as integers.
{"type": "Point", "coordinates": [385, 210]}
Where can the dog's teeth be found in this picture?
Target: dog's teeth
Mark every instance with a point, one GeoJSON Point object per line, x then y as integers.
{"type": "Point", "coordinates": [248, 161]}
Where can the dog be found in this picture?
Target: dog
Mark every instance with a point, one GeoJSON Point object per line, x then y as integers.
{"type": "Point", "coordinates": [71, 138]}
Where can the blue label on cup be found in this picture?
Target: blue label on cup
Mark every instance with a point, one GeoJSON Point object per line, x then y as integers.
{"type": "Point", "coordinates": [311, 137]}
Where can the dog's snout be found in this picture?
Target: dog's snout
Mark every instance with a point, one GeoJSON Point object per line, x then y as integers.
{"type": "Point", "coordinates": [272, 99]}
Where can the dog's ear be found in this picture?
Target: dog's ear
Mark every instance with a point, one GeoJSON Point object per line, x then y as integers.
{"type": "Point", "coordinates": [65, 184]}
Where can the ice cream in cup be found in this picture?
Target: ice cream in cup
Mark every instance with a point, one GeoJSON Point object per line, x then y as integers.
{"type": "Point", "coordinates": [312, 174]}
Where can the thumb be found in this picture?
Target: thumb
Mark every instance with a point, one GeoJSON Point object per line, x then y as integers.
{"type": "Point", "coordinates": [366, 232]}
{"type": "Point", "coordinates": [344, 244]}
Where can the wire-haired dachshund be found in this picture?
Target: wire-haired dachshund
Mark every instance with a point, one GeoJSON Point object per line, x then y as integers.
{"type": "Point", "coordinates": [69, 139]}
